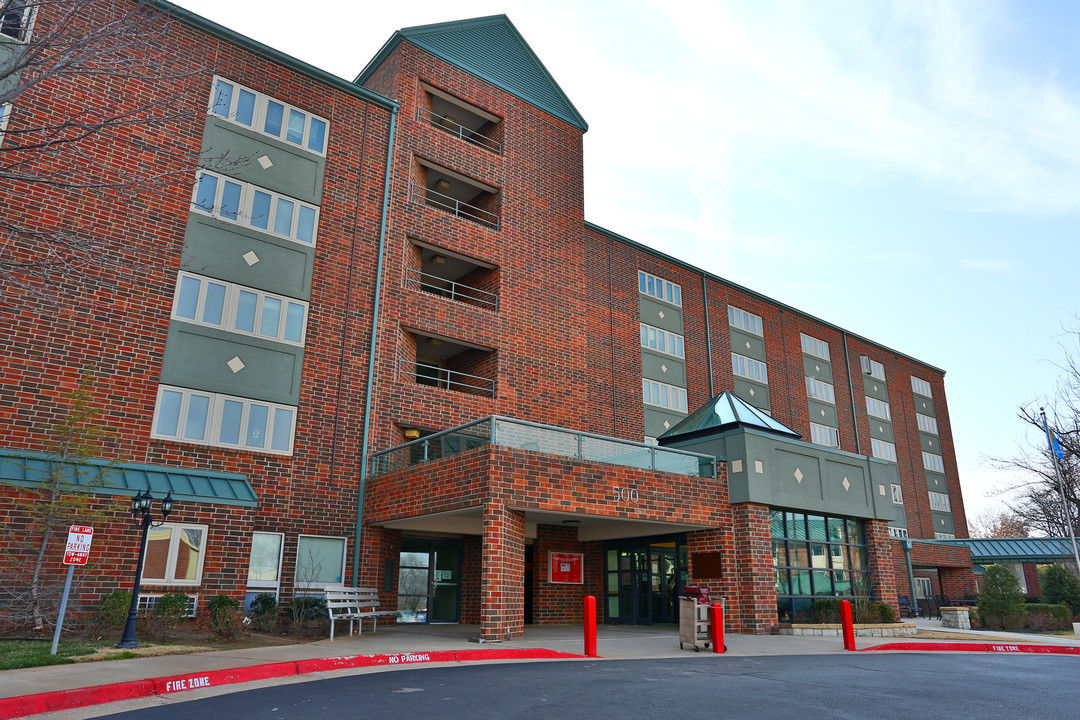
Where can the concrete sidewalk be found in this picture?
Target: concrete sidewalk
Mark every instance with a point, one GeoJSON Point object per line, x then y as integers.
{"type": "Point", "coordinates": [399, 646]}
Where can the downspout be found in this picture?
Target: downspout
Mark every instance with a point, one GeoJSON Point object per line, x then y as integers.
{"type": "Point", "coordinates": [906, 544]}
{"type": "Point", "coordinates": [373, 347]}
{"type": "Point", "coordinates": [851, 394]}
{"type": "Point", "coordinates": [708, 333]}
{"type": "Point", "coordinates": [611, 340]}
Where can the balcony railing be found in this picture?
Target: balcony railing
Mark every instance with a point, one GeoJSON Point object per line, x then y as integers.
{"type": "Point", "coordinates": [447, 124]}
{"type": "Point", "coordinates": [453, 206]}
{"type": "Point", "coordinates": [450, 289]}
{"type": "Point", "coordinates": [523, 435]}
{"type": "Point", "coordinates": [436, 376]}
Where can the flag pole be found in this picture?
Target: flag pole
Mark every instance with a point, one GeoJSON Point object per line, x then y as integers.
{"type": "Point", "coordinates": [1061, 486]}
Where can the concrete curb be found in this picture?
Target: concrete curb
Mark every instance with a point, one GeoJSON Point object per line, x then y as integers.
{"type": "Point", "coordinates": [976, 647]}
{"type": "Point", "coordinates": [16, 707]}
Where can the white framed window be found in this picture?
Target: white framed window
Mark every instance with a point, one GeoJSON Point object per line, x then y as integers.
{"type": "Point", "coordinates": [264, 563]}
{"type": "Point", "coordinates": [921, 387]}
{"type": "Point", "coordinates": [940, 502]}
{"type": "Point", "coordinates": [926, 423]}
{"type": "Point", "coordinates": [749, 368]}
{"type": "Point", "coordinates": [236, 308]}
{"type": "Point", "coordinates": [175, 554]}
{"type": "Point", "coordinates": [944, 536]}
{"type": "Point", "coordinates": [650, 440]}
{"type": "Point", "coordinates": [897, 494]}
{"type": "Point", "coordinates": [897, 532]}
{"type": "Point", "coordinates": [17, 19]}
{"type": "Point", "coordinates": [260, 112]}
{"type": "Point", "coordinates": [878, 408]}
{"type": "Point", "coordinates": [820, 390]}
{"type": "Point", "coordinates": [883, 450]}
{"type": "Point", "coordinates": [743, 320]}
{"type": "Point", "coordinates": [147, 602]}
{"type": "Point", "coordinates": [204, 418]}
{"type": "Point", "coordinates": [662, 341]}
{"type": "Point", "coordinates": [812, 346]}
{"type": "Point", "coordinates": [320, 561]}
{"type": "Point", "coordinates": [933, 462]}
{"type": "Point", "coordinates": [659, 288]}
{"type": "Point", "coordinates": [251, 206]}
{"type": "Point", "coordinates": [5, 113]}
{"type": "Point", "coordinates": [873, 368]}
{"type": "Point", "coordinates": [663, 395]}
{"type": "Point", "coordinates": [824, 435]}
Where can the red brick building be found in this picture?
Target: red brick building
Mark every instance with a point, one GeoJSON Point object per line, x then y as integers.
{"type": "Point", "coordinates": [367, 336]}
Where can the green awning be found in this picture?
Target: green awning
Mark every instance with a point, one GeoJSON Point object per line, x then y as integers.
{"type": "Point", "coordinates": [987, 551]}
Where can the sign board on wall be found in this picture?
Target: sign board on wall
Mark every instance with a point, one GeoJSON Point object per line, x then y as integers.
{"type": "Point", "coordinates": [566, 568]}
{"type": "Point", "coordinates": [77, 550]}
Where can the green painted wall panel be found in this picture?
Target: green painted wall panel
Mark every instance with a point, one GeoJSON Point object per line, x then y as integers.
{"type": "Point", "coordinates": [295, 172]}
{"type": "Point", "coordinates": [881, 429]}
{"type": "Point", "coordinates": [936, 482]}
{"type": "Point", "coordinates": [656, 417]}
{"type": "Point", "coordinates": [930, 443]}
{"type": "Point", "coordinates": [875, 388]}
{"type": "Point", "coordinates": [216, 248]}
{"type": "Point", "coordinates": [9, 49]}
{"type": "Point", "coordinates": [760, 396]}
{"type": "Point", "coordinates": [822, 413]}
{"type": "Point", "coordinates": [924, 406]}
{"type": "Point", "coordinates": [817, 368]}
{"type": "Point", "coordinates": [196, 357]}
{"type": "Point", "coordinates": [652, 309]}
{"type": "Point", "coordinates": [743, 343]}
{"type": "Point", "coordinates": [652, 364]}
{"type": "Point", "coordinates": [943, 522]}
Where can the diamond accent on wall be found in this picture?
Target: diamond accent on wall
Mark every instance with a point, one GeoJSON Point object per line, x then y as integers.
{"type": "Point", "coordinates": [822, 413]}
{"type": "Point", "coordinates": [817, 368]}
{"type": "Point", "coordinates": [758, 467]}
{"type": "Point", "coordinates": [943, 521]}
{"type": "Point", "coordinates": [847, 485]}
{"type": "Point", "coordinates": [667, 425]}
{"type": "Point", "coordinates": [924, 406]}
{"type": "Point", "coordinates": [250, 257]}
{"type": "Point", "coordinates": [935, 481]}
{"type": "Point", "coordinates": [931, 443]}
{"type": "Point", "coordinates": [661, 314]}
{"type": "Point", "coordinates": [748, 345]}
{"type": "Point", "coordinates": [736, 466]}
{"type": "Point", "coordinates": [875, 388]}
{"type": "Point", "coordinates": [266, 162]}
{"type": "Point", "coordinates": [664, 367]}
{"type": "Point", "coordinates": [751, 392]}
{"type": "Point", "coordinates": [798, 475]}
{"type": "Point", "coordinates": [236, 364]}
{"type": "Point", "coordinates": [880, 429]}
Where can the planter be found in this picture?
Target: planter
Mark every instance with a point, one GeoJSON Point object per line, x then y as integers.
{"type": "Point", "coordinates": [1076, 628]}
{"type": "Point", "coordinates": [861, 630]}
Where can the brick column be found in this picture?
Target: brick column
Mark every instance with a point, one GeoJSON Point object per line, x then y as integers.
{"type": "Point", "coordinates": [502, 581]}
{"type": "Point", "coordinates": [755, 570]}
{"type": "Point", "coordinates": [884, 563]}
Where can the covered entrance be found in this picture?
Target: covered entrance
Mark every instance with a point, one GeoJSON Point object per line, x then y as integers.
{"type": "Point", "coordinates": [643, 579]}
{"type": "Point", "coordinates": [429, 580]}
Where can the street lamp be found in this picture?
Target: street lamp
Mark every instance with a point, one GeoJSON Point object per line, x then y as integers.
{"type": "Point", "coordinates": [140, 506]}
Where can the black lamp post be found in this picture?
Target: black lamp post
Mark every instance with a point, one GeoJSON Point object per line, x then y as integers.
{"type": "Point", "coordinates": [140, 506]}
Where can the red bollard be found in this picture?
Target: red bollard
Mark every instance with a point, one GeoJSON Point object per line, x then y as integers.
{"type": "Point", "coordinates": [590, 626]}
{"type": "Point", "coordinates": [848, 625]}
{"type": "Point", "coordinates": [716, 624]}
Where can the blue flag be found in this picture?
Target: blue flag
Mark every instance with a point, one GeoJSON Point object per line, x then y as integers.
{"type": "Point", "coordinates": [1051, 437]}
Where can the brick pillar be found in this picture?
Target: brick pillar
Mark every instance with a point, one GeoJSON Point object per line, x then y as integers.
{"type": "Point", "coordinates": [1031, 578]}
{"type": "Point", "coordinates": [502, 581]}
{"type": "Point", "coordinates": [884, 563]}
{"type": "Point", "coordinates": [755, 570]}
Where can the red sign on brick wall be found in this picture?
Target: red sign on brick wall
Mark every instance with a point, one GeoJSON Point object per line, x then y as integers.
{"type": "Point", "coordinates": [77, 550]}
{"type": "Point", "coordinates": [566, 568]}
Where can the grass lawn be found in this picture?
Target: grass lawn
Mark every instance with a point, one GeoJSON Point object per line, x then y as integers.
{"type": "Point", "coordinates": [35, 653]}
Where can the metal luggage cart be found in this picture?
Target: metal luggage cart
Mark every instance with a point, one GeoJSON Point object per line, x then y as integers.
{"type": "Point", "coordinates": [693, 623]}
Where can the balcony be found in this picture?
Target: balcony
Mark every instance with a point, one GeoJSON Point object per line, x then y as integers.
{"type": "Point", "coordinates": [453, 276]}
{"type": "Point", "coordinates": [457, 117]}
{"type": "Point", "coordinates": [440, 362]}
{"type": "Point", "coordinates": [523, 435]}
{"type": "Point", "coordinates": [456, 194]}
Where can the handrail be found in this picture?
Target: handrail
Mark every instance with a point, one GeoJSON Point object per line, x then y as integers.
{"type": "Point", "coordinates": [453, 290]}
{"type": "Point", "coordinates": [454, 206]}
{"type": "Point", "coordinates": [444, 378]}
{"type": "Point", "coordinates": [448, 124]}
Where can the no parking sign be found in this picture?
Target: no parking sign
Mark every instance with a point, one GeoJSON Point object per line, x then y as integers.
{"type": "Point", "coordinates": [77, 550]}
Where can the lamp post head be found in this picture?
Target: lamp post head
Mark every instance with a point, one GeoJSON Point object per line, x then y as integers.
{"type": "Point", "coordinates": [166, 505]}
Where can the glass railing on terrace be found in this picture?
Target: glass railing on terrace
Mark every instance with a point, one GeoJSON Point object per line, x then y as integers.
{"type": "Point", "coordinates": [524, 435]}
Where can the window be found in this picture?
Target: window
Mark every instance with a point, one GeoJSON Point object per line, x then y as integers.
{"type": "Point", "coordinates": [873, 368]}
{"type": "Point", "coordinates": [214, 303]}
{"type": "Point", "coordinates": [5, 113]}
{"type": "Point", "coordinates": [897, 532]}
{"type": "Point", "coordinates": [819, 390]}
{"type": "Point", "coordinates": [944, 536]}
{"type": "Point", "coordinates": [878, 409]}
{"type": "Point", "coordinates": [251, 206]}
{"type": "Point", "coordinates": [933, 462]}
{"type": "Point", "coordinates": [650, 440]}
{"type": "Point", "coordinates": [824, 435]}
{"type": "Point", "coordinates": [662, 394]}
{"type": "Point", "coordinates": [813, 346]}
{"type": "Point", "coordinates": [926, 423]}
{"type": "Point", "coordinates": [749, 368]}
{"type": "Point", "coordinates": [659, 289]}
{"type": "Point", "coordinates": [883, 450]}
{"type": "Point", "coordinates": [897, 494]}
{"type": "Point", "coordinates": [264, 565]}
{"type": "Point", "coordinates": [320, 561]}
{"type": "Point", "coordinates": [146, 602]}
{"type": "Point", "coordinates": [207, 418]}
{"type": "Point", "coordinates": [174, 555]}
{"type": "Point", "coordinates": [262, 113]}
{"type": "Point", "coordinates": [744, 321]}
{"type": "Point", "coordinates": [921, 387]}
{"type": "Point", "coordinates": [940, 502]}
{"type": "Point", "coordinates": [661, 340]}
{"type": "Point", "coordinates": [17, 20]}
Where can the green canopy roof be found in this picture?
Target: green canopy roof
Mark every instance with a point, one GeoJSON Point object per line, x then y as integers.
{"type": "Point", "coordinates": [725, 412]}
{"type": "Point", "coordinates": [998, 550]}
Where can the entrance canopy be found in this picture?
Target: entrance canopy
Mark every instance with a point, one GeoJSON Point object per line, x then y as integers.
{"type": "Point", "coordinates": [989, 551]}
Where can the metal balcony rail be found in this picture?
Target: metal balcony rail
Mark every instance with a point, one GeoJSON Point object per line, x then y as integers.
{"type": "Point", "coordinates": [524, 435]}
{"type": "Point", "coordinates": [453, 206]}
{"type": "Point", "coordinates": [447, 124]}
{"type": "Point", "coordinates": [450, 289]}
{"type": "Point", "coordinates": [436, 376]}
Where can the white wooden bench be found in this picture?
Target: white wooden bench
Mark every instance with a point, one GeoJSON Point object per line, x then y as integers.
{"type": "Point", "coordinates": [355, 605]}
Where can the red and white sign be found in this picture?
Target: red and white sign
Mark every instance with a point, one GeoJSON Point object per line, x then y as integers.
{"type": "Point", "coordinates": [566, 568]}
{"type": "Point", "coordinates": [78, 545]}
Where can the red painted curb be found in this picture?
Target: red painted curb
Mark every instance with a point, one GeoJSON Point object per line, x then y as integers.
{"type": "Point", "coordinates": [214, 678]}
{"type": "Point", "coordinates": [978, 647]}
{"type": "Point", "coordinates": [16, 707]}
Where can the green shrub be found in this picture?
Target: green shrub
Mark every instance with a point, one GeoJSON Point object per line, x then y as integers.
{"type": "Point", "coordinates": [1001, 604]}
{"type": "Point", "coordinates": [1044, 617]}
{"type": "Point", "coordinates": [264, 611]}
{"type": "Point", "coordinates": [888, 615]}
{"type": "Point", "coordinates": [223, 619]}
{"type": "Point", "coordinates": [166, 615]}
{"type": "Point", "coordinates": [306, 608]}
{"type": "Point", "coordinates": [112, 610]}
{"type": "Point", "coordinates": [1060, 586]}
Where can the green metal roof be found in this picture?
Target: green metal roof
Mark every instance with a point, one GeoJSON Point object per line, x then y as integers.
{"type": "Point", "coordinates": [29, 469]}
{"type": "Point", "coordinates": [492, 49]}
{"type": "Point", "coordinates": [726, 412]}
{"type": "Point", "coordinates": [998, 550]}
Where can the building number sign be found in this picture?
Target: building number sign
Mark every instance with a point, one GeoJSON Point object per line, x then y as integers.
{"type": "Point", "coordinates": [624, 495]}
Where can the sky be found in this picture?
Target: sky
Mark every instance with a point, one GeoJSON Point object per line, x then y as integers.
{"type": "Point", "coordinates": [909, 171]}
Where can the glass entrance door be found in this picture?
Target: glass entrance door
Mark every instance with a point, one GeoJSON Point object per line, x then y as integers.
{"type": "Point", "coordinates": [429, 580]}
{"type": "Point", "coordinates": [644, 580]}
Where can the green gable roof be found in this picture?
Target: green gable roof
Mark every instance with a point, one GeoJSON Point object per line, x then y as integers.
{"type": "Point", "coordinates": [492, 49]}
{"type": "Point", "coordinates": [988, 551]}
{"type": "Point", "coordinates": [725, 412]}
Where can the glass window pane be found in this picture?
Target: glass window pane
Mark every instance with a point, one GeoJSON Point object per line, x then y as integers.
{"type": "Point", "coordinates": [260, 210]}
{"type": "Point", "coordinates": [168, 414]}
{"type": "Point", "coordinates": [855, 532]}
{"type": "Point", "coordinates": [799, 554]}
{"type": "Point", "coordinates": [779, 551]}
{"type": "Point", "coordinates": [256, 426]}
{"type": "Point", "coordinates": [283, 217]}
{"type": "Point", "coordinates": [214, 307]}
{"type": "Point", "coordinates": [782, 579]}
{"type": "Point", "coordinates": [207, 192]}
{"type": "Point", "coordinates": [776, 520]}
{"type": "Point", "coordinates": [187, 300]}
{"type": "Point", "coordinates": [230, 201]}
{"type": "Point", "coordinates": [822, 582]}
{"type": "Point", "coordinates": [274, 114]}
{"type": "Point", "coordinates": [271, 317]}
{"type": "Point", "coordinates": [842, 583]}
{"type": "Point", "coordinates": [265, 557]}
{"type": "Point", "coordinates": [294, 323]}
{"type": "Point", "coordinates": [231, 415]}
{"type": "Point", "coordinates": [245, 108]}
{"type": "Point", "coordinates": [195, 427]}
{"type": "Point", "coordinates": [800, 582]}
{"type": "Point", "coordinates": [796, 525]}
{"type": "Point", "coordinates": [305, 228]}
{"type": "Point", "coordinates": [157, 553]}
{"type": "Point", "coordinates": [316, 135]}
{"type": "Point", "coordinates": [319, 561]}
{"type": "Point", "coordinates": [222, 98]}
{"type": "Point", "coordinates": [295, 133]}
{"type": "Point", "coordinates": [282, 439]}
{"type": "Point", "coordinates": [245, 311]}
{"type": "Point", "coordinates": [836, 530]}
{"type": "Point", "coordinates": [188, 549]}
{"type": "Point", "coordinates": [817, 527]}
